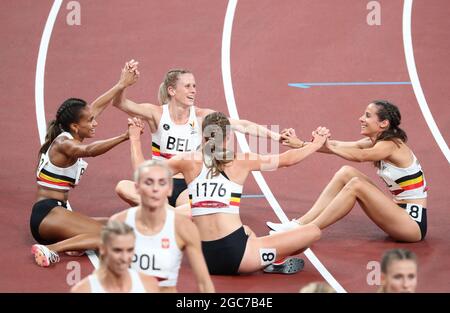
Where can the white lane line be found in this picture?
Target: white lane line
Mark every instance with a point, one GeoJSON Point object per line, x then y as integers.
{"type": "Point", "coordinates": [412, 70]}
{"type": "Point", "coordinates": [232, 108]}
{"type": "Point", "coordinates": [40, 69]}
{"type": "Point", "coordinates": [39, 87]}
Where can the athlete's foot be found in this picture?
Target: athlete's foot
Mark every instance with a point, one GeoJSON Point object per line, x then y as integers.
{"type": "Point", "coordinates": [281, 227]}
{"type": "Point", "coordinates": [290, 265]}
{"type": "Point", "coordinates": [43, 255]}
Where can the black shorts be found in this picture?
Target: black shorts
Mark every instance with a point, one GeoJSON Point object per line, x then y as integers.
{"type": "Point", "coordinates": [38, 213]}
{"type": "Point", "coordinates": [418, 214]}
{"type": "Point", "coordinates": [179, 185]}
{"type": "Point", "coordinates": [224, 256]}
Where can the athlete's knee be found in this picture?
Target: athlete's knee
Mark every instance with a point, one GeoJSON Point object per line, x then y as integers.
{"type": "Point", "coordinates": [126, 193]}
{"type": "Point", "coordinates": [346, 172]}
{"type": "Point", "coordinates": [121, 187]}
{"type": "Point", "coordinates": [354, 185]}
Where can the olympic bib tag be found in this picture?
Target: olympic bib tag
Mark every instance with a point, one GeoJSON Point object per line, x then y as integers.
{"type": "Point", "coordinates": [415, 211]}
{"type": "Point", "coordinates": [267, 256]}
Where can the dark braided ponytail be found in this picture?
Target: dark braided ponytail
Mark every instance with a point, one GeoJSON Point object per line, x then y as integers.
{"type": "Point", "coordinates": [69, 112]}
{"type": "Point", "coordinates": [390, 112]}
{"type": "Point", "coordinates": [215, 128]}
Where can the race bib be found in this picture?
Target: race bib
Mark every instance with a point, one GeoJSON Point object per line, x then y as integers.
{"type": "Point", "coordinates": [414, 211]}
{"type": "Point", "coordinates": [267, 256]}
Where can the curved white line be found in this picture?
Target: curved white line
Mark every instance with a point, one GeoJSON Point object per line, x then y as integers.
{"type": "Point", "coordinates": [232, 109]}
{"type": "Point", "coordinates": [412, 71]}
{"type": "Point", "coordinates": [40, 69]}
{"type": "Point", "coordinates": [39, 88]}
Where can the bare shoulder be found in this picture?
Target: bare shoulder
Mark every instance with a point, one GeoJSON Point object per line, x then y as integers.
{"type": "Point", "coordinates": [82, 286]}
{"type": "Point", "coordinates": [120, 216]}
{"type": "Point", "coordinates": [150, 283]}
{"type": "Point", "coordinates": [62, 141]}
{"type": "Point", "coordinates": [155, 110]}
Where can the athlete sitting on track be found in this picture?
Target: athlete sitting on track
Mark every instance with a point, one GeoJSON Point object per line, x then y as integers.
{"type": "Point", "coordinates": [215, 178]}
{"type": "Point", "coordinates": [52, 225]}
{"type": "Point", "coordinates": [404, 217]}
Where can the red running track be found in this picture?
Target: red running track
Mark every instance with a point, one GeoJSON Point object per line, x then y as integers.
{"type": "Point", "coordinates": [272, 45]}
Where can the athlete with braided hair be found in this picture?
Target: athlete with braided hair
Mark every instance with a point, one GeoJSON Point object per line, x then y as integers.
{"type": "Point", "coordinates": [402, 217]}
{"type": "Point", "coordinates": [60, 168]}
{"type": "Point", "coordinates": [215, 177]}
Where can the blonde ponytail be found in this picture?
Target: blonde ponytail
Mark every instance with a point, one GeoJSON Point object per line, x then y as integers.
{"type": "Point", "coordinates": [170, 80]}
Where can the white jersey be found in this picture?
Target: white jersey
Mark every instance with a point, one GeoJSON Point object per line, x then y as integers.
{"type": "Point", "coordinates": [171, 139]}
{"type": "Point", "coordinates": [136, 284]}
{"type": "Point", "coordinates": [62, 178]}
{"type": "Point", "coordinates": [404, 183]}
{"type": "Point", "coordinates": [214, 195]}
{"type": "Point", "coordinates": [157, 255]}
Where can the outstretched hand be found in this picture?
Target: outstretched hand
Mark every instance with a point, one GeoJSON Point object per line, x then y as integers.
{"type": "Point", "coordinates": [290, 139]}
{"type": "Point", "coordinates": [135, 127]}
{"type": "Point", "coordinates": [320, 135]}
{"type": "Point", "coordinates": [130, 74]}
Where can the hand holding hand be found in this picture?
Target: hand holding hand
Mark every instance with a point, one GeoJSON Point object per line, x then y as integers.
{"type": "Point", "coordinates": [135, 127]}
{"type": "Point", "coordinates": [290, 139]}
{"type": "Point", "coordinates": [320, 135]}
{"type": "Point", "coordinates": [130, 74]}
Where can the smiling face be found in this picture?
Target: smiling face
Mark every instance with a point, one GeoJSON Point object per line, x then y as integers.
{"type": "Point", "coordinates": [185, 90]}
{"type": "Point", "coordinates": [117, 253]}
{"type": "Point", "coordinates": [371, 126]}
{"type": "Point", "coordinates": [401, 276]}
{"type": "Point", "coordinates": [85, 127]}
{"type": "Point", "coordinates": [154, 186]}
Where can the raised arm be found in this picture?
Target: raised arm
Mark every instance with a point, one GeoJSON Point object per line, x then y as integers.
{"type": "Point", "coordinates": [143, 110]}
{"type": "Point", "coordinates": [136, 127]}
{"type": "Point", "coordinates": [129, 76]}
{"type": "Point", "coordinates": [188, 233]}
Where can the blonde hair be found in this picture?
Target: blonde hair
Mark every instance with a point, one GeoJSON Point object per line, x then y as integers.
{"type": "Point", "coordinates": [115, 228]}
{"type": "Point", "coordinates": [170, 80]}
{"type": "Point", "coordinates": [393, 255]}
{"type": "Point", "coordinates": [317, 287]}
{"type": "Point", "coordinates": [215, 129]}
{"type": "Point", "coordinates": [150, 164]}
